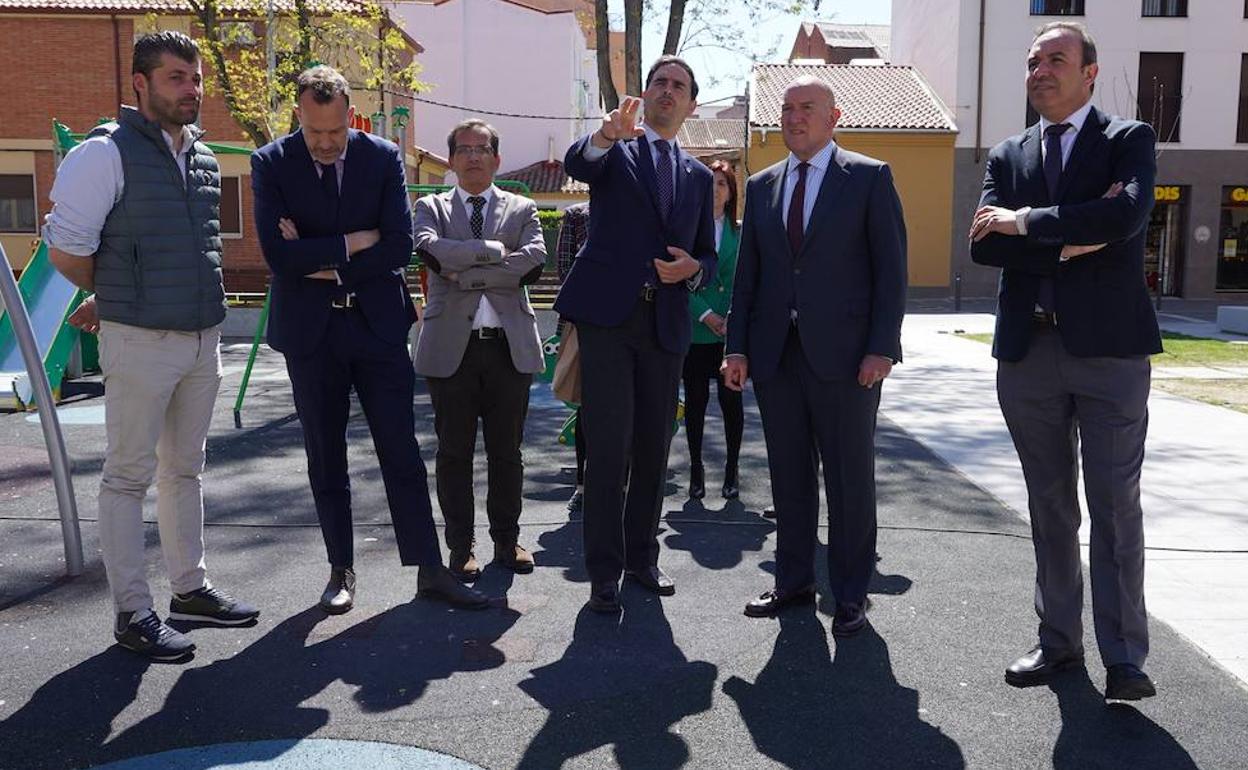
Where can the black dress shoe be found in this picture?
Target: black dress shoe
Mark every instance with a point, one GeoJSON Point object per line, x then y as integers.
{"type": "Point", "coordinates": [1038, 667]}
{"type": "Point", "coordinates": [769, 512]}
{"type": "Point", "coordinates": [697, 482]}
{"type": "Point", "coordinates": [576, 502]}
{"type": "Point", "coordinates": [1125, 681]}
{"type": "Point", "coordinates": [850, 618]}
{"type": "Point", "coordinates": [654, 579]}
{"type": "Point", "coordinates": [731, 491]}
{"type": "Point", "coordinates": [437, 582]}
{"type": "Point", "coordinates": [771, 602]}
{"type": "Point", "coordinates": [339, 594]}
{"type": "Point", "coordinates": [604, 597]}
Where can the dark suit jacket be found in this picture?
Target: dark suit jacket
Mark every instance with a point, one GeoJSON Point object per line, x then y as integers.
{"type": "Point", "coordinates": [848, 280]}
{"type": "Point", "coordinates": [373, 195]}
{"type": "Point", "coordinates": [1103, 307]}
{"type": "Point", "coordinates": [626, 233]}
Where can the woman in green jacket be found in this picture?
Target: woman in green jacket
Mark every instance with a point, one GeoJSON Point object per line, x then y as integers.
{"type": "Point", "coordinates": [708, 309]}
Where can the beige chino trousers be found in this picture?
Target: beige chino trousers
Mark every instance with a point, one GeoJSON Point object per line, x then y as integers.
{"type": "Point", "coordinates": [159, 391]}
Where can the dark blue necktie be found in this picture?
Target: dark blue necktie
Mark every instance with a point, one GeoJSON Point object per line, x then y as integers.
{"type": "Point", "coordinates": [664, 172]}
{"type": "Point", "coordinates": [1053, 158]}
{"type": "Point", "coordinates": [329, 183]}
{"type": "Point", "coordinates": [477, 220]}
{"type": "Point", "coordinates": [1046, 297]}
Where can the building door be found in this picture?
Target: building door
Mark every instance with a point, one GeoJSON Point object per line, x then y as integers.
{"type": "Point", "coordinates": [1165, 247]}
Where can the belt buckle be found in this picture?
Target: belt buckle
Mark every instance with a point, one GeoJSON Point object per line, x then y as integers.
{"type": "Point", "coordinates": [487, 333]}
{"type": "Point", "coordinates": [345, 302]}
{"type": "Point", "coordinates": [648, 292]}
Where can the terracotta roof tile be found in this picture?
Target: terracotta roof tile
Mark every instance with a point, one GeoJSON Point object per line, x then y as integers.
{"type": "Point", "coordinates": [546, 176]}
{"type": "Point", "coordinates": [870, 96]}
{"type": "Point", "coordinates": [159, 6]}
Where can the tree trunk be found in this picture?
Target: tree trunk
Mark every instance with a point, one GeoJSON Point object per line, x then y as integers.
{"type": "Point", "coordinates": [206, 13]}
{"type": "Point", "coordinates": [602, 36]}
{"type": "Point", "coordinates": [303, 18]}
{"type": "Point", "coordinates": [632, 46]}
{"type": "Point", "coordinates": [675, 19]}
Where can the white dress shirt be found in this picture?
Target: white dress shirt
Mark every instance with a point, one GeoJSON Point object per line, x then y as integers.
{"type": "Point", "coordinates": [814, 180]}
{"type": "Point", "coordinates": [486, 317]}
{"type": "Point", "coordinates": [89, 182]}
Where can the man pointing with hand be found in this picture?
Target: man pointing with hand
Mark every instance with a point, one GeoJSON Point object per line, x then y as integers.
{"type": "Point", "coordinates": [651, 241]}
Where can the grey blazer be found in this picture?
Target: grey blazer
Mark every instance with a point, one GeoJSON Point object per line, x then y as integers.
{"type": "Point", "coordinates": [462, 269]}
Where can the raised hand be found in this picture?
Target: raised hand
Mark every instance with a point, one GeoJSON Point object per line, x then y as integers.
{"type": "Point", "coordinates": [620, 123]}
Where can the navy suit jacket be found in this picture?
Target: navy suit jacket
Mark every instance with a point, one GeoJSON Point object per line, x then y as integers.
{"type": "Point", "coordinates": [848, 282]}
{"type": "Point", "coordinates": [1103, 307]}
{"type": "Point", "coordinates": [626, 233]}
{"type": "Point", "coordinates": [373, 195]}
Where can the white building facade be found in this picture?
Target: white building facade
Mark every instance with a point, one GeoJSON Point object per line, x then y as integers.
{"type": "Point", "coordinates": [1181, 65]}
{"type": "Point", "coordinates": [525, 57]}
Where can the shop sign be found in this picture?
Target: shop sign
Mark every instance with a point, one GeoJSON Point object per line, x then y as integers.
{"type": "Point", "coordinates": [1168, 193]}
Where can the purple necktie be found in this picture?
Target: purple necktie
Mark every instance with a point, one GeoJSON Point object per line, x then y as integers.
{"type": "Point", "coordinates": [664, 172]}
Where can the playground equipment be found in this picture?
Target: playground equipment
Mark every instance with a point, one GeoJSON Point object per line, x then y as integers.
{"type": "Point", "coordinates": [23, 334]}
{"type": "Point", "coordinates": [50, 299]}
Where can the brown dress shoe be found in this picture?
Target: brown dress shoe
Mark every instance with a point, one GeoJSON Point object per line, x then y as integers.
{"type": "Point", "coordinates": [513, 557]}
{"type": "Point", "coordinates": [464, 566]}
{"type": "Point", "coordinates": [438, 582]}
{"type": "Point", "coordinates": [339, 594]}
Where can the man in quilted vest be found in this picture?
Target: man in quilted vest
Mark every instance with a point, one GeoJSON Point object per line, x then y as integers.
{"type": "Point", "coordinates": [135, 218]}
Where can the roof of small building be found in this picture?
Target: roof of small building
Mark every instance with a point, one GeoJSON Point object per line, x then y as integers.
{"type": "Point", "coordinates": [167, 6]}
{"type": "Point", "coordinates": [875, 36]}
{"type": "Point", "coordinates": [884, 97]}
{"type": "Point", "coordinates": [712, 133]}
{"type": "Point", "coordinates": [547, 176]}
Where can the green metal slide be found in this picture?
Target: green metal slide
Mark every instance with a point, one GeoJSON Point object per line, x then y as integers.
{"type": "Point", "coordinates": [50, 299]}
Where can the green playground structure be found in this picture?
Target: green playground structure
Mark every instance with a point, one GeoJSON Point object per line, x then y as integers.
{"type": "Point", "coordinates": [49, 299]}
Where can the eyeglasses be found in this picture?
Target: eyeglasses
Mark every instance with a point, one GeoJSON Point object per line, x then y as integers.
{"type": "Point", "coordinates": [469, 150]}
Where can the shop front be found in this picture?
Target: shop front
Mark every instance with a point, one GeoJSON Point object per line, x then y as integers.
{"type": "Point", "coordinates": [1233, 240]}
{"type": "Point", "coordinates": [1165, 246]}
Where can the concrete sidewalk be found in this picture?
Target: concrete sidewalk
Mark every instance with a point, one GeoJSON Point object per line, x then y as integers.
{"type": "Point", "coordinates": [1195, 486]}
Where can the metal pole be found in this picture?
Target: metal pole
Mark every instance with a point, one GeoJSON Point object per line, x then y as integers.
{"type": "Point", "coordinates": [251, 359]}
{"type": "Point", "coordinates": [57, 456]}
{"type": "Point", "coordinates": [957, 292]}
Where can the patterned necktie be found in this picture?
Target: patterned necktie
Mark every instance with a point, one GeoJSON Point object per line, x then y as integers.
{"type": "Point", "coordinates": [797, 210]}
{"type": "Point", "coordinates": [1053, 158]}
{"type": "Point", "coordinates": [477, 221]}
{"type": "Point", "coordinates": [664, 172]}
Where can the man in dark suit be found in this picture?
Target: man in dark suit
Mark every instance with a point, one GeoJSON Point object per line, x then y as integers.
{"type": "Point", "coordinates": [651, 240]}
{"type": "Point", "coordinates": [816, 322]}
{"type": "Point", "coordinates": [1064, 212]}
{"type": "Point", "coordinates": [335, 226]}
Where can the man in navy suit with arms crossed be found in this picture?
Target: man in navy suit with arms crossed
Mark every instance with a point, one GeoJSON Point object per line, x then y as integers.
{"type": "Point", "coordinates": [1064, 213]}
{"type": "Point", "coordinates": [651, 241]}
{"type": "Point", "coordinates": [335, 225]}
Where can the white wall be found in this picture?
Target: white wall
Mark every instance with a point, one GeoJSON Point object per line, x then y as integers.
{"type": "Point", "coordinates": [1213, 38]}
{"type": "Point", "coordinates": [493, 55]}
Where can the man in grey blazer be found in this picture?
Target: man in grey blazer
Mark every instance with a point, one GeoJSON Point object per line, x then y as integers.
{"type": "Point", "coordinates": [479, 347]}
{"type": "Point", "coordinates": [816, 322]}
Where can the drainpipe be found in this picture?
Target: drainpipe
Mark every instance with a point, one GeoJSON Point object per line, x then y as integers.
{"type": "Point", "coordinates": [117, 60]}
{"type": "Point", "coordinates": [979, 86]}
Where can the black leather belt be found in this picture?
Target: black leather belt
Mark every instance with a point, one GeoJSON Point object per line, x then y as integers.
{"type": "Point", "coordinates": [343, 302]}
{"type": "Point", "coordinates": [489, 333]}
{"type": "Point", "coordinates": [648, 293]}
{"type": "Point", "coordinates": [1044, 318]}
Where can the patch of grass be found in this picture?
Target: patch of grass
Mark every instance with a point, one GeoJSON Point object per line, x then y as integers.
{"type": "Point", "coordinates": [1180, 350]}
{"type": "Point", "coordinates": [1232, 394]}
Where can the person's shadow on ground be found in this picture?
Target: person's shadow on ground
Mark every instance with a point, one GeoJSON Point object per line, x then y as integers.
{"type": "Point", "coordinates": [717, 539]}
{"type": "Point", "coordinates": [1096, 735]}
{"type": "Point", "coordinates": [807, 709]}
{"type": "Point", "coordinates": [654, 686]}
{"type": "Point", "coordinates": [257, 694]}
